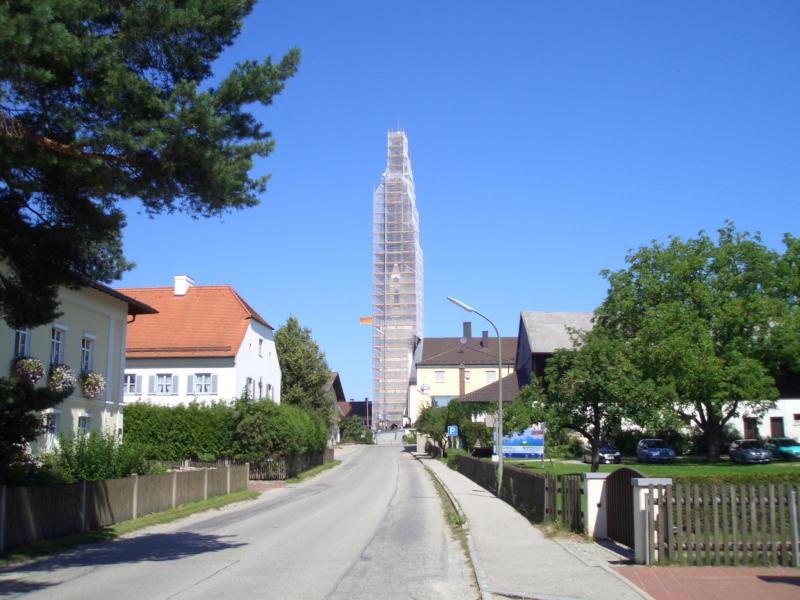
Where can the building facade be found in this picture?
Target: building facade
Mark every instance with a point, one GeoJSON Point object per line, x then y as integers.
{"type": "Point", "coordinates": [88, 337]}
{"type": "Point", "coordinates": [205, 344]}
{"type": "Point", "coordinates": [397, 285]}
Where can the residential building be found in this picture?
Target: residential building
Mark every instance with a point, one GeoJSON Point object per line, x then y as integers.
{"type": "Point", "coordinates": [88, 337]}
{"type": "Point", "coordinates": [781, 421]}
{"type": "Point", "coordinates": [451, 367]}
{"type": "Point", "coordinates": [541, 334]}
{"type": "Point", "coordinates": [361, 409]}
{"type": "Point", "coordinates": [204, 344]}
{"type": "Point", "coordinates": [397, 284]}
{"type": "Point", "coordinates": [333, 387]}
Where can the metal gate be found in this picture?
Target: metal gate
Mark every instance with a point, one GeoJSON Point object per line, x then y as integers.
{"type": "Point", "coordinates": [619, 510]}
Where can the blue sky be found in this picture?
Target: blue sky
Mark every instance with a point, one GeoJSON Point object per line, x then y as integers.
{"type": "Point", "coordinates": [547, 138]}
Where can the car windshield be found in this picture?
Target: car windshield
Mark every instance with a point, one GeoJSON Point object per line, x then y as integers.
{"type": "Point", "coordinates": [657, 444]}
{"type": "Point", "coordinates": [785, 442]}
{"type": "Point", "coordinates": [749, 444]}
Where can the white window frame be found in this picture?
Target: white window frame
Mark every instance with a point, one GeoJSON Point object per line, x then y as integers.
{"type": "Point", "coordinates": [84, 430]}
{"type": "Point", "coordinates": [491, 376]}
{"type": "Point", "coordinates": [22, 342]}
{"type": "Point", "coordinates": [270, 392]}
{"type": "Point", "coordinates": [57, 345]}
{"type": "Point", "coordinates": [129, 384]}
{"type": "Point", "coordinates": [164, 384]}
{"type": "Point", "coordinates": [202, 384]}
{"type": "Point", "coordinates": [438, 376]}
{"type": "Point", "coordinates": [87, 354]}
{"type": "Point", "coordinates": [52, 422]}
{"type": "Point", "coordinates": [467, 375]}
{"type": "Point", "coordinates": [261, 347]}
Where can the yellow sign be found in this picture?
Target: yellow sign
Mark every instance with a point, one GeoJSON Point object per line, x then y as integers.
{"type": "Point", "coordinates": [365, 320]}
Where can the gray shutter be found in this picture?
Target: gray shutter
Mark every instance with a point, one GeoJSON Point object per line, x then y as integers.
{"type": "Point", "coordinates": [174, 385]}
{"type": "Point", "coordinates": [138, 385]}
{"type": "Point", "coordinates": [190, 384]}
{"type": "Point", "coordinates": [151, 385]}
{"type": "Point", "coordinates": [213, 384]}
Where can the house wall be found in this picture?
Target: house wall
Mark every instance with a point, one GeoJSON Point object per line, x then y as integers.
{"type": "Point", "coordinates": [85, 313]}
{"type": "Point", "coordinates": [426, 375]}
{"type": "Point", "coordinates": [786, 409]}
{"type": "Point", "coordinates": [231, 373]}
{"type": "Point", "coordinates": [222, 368]}
{"type": "Point", "coordinates": [264, 367]}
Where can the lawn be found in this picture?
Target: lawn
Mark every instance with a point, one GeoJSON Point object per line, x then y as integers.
{"type": "Point", "coordinates": [682, 468]}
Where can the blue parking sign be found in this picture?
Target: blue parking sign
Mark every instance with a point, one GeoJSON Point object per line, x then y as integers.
{"type": "Point", "coordinates": [452, 431]}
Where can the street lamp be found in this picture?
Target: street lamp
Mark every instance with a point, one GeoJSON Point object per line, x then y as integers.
{"type": "Point", "coordinates": [468, 308]}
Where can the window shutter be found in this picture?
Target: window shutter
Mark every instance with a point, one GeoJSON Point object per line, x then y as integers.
{"type": "Point", "coordinates": [151, 385]}
{"type": "Point", "coordinates": [138, 385]}
{"type": "Point", "coordinates": [190, 384]}
{"type": "Point", "coordinates": [213, 384]}
{"type": "Point", "coordinates": [174, 385]}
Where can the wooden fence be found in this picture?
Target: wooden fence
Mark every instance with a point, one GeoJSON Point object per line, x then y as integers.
{"type": "Point", "coordinates": [723, 524]}
{"type": "Point", "coordinates": [541, 498]}
{"type": "Point", "coordinates": [33, 513]}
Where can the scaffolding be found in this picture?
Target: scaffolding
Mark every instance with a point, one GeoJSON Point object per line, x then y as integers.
{"type": "Point", "coordinates": [396, 284]}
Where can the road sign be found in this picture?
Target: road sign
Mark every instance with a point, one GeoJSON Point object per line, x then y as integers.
{"type": "Point", "coordinates": [452, 431]}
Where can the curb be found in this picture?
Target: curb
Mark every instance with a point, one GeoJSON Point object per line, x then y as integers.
{"type": "Point", "coordinates": [477, 570]}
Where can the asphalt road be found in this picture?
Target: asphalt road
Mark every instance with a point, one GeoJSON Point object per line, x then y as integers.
{"type": "Point", "coordinates": [369, 528]}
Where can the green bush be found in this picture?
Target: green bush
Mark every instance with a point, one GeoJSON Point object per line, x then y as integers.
{"type": "Point", "coordinates": [264, 429]}
{"type": "Point", "coordinates": [453, 455]}
{"type": "Point", "coordinates": [93, 457]}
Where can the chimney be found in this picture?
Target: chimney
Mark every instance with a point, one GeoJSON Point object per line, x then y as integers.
{"type": "Point", "coordinates": [182, 284]}
{"type": "Point", "coordinates": [467, 330]}
{"type": "Point", "coordinates": [485, 339]}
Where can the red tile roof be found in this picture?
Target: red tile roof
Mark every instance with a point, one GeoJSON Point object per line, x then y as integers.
{"type": "Point", "coordinates": [209, 321]}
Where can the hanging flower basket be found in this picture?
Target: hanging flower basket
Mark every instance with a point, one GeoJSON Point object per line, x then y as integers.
{"type": "Point", "coordinates": [62, 379]}
{"type": "Point", "coordinates": [94, 384]}
{"type": "Point", "coordinates": [29, 369]}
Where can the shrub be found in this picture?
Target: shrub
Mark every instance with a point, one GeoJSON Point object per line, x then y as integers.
{"type": "Point", "coordinates": [452, 457]}
{"type": "Point", "coordinates": [93, 457]}
{"type": "Point", "coordinates": [29, 369]}
{"type": "Point", "coordinates": [265, 429]}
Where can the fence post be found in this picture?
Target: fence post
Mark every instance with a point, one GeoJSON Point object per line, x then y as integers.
{"type": "Point", "coordinates": [640, 488]}
{"type": "Point", "coordinates": [2, 517]}
{"type": "Point", "coordinates": [205, 483]}
{"type": "Point", "coordinates": [228, 476]}
{"type": "Point", "coordinates": [596, 509]}
{"type": "Point", "coordinates": [793, 521]}
{"type": "Point", "coordinates": [83, 506]}
{"type": "Point", "coordinates": [174, 488]}
{"type": "Point", "coordinates": [247, 480]}
{"type": "Point", "coordinates": [135, 495]}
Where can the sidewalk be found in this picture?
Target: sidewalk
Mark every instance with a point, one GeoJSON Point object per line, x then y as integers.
{"type": "Point", "coordinates": [514, 559]}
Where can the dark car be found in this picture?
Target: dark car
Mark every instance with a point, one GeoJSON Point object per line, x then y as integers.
{"type": "Point", "coordinates": [654, 450]}
{"type": "Point", "coordinates": [749, 452]}
{"type": "Point", "coordinates": [783, 447]}
{"type": "Point", "coordinates": [606, 454]}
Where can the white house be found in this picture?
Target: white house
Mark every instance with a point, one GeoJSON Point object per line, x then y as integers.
{"type": "Point", "coordinates": [205, 344]}
{"type": "Point", "coordinates": [88, 337]}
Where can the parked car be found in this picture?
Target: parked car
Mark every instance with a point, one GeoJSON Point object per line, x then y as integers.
{"type": "Point", "coordinates": [787, 448]}
{"type": "Point", "coordinates": [654, 450]}
{"type": "Point", "coordinates": [749, 451]}
{"type": "Point", "coordinates": [607, 454]}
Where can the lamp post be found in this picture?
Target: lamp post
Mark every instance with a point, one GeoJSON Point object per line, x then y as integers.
{"type": "Point", "coordinates": [468, 308]}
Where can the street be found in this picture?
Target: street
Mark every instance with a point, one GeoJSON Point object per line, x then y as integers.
{"type": "Point", "coordinates": [370, 528]}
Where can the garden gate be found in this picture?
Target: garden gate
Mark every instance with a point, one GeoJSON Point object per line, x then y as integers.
{"type": "Point", "coordinates": [619, 509]}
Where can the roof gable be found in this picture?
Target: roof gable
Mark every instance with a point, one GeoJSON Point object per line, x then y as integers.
{"type": "Point", "coordinates": [450, 351]}
{"type": "Point", "coordinates": [547, 331]}
{"type": "Point", "coordinates": [208, 321]}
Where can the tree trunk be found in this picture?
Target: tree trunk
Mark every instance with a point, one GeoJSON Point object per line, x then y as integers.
{"type": "Point", "coordinates": [595, 455]}
{"type": "Point", "coordinates": [713, 434]}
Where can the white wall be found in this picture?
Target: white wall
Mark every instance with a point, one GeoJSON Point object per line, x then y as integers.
{"type": "Point", "coordinates": [785, 408]}
{"type": "Point", "coordinates": [264, 367]}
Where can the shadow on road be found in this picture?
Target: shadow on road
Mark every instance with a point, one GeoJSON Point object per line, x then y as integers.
{"type": "Point", "coordinates": [20, 586]}
{"type": "Point", "coordinates": [153, 547]}
{"type": "Point", "coordinates": [780, 579]}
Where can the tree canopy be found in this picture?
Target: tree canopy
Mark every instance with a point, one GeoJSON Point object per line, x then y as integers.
{"type": "Point", "coordinates": [710, 323]}
{"type": "Point", "coordinates": [106, 101]}
{"type": "Point", "coordinates": [304, 370]}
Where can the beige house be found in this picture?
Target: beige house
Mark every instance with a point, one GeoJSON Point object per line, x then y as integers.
{"type": "Point", "coordinates": [453, 367]}
{"type": "Point", "coordinates": [89, 336]}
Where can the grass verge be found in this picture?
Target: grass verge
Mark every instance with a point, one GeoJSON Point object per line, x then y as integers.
{"type": "Point", "coordinates": [47, 547]}
{"type": "Point", "coordinates": [313, 472]}
{"type": "Point", "coordinates": [451, 515]}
